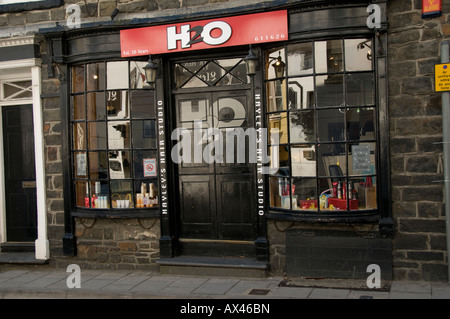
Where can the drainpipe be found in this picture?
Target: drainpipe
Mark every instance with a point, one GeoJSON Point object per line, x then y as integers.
{"type": "Point", "coordinates": [446, 150]}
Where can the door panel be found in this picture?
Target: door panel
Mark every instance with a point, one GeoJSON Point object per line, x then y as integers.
{"type": "Point", "coordinates": [20, 175]}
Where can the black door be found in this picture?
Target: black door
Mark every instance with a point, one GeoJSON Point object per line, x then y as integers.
{"type": "Point", "coordinates": [20, 174]}
{"type": "Point", "coordinates": [216, 178]}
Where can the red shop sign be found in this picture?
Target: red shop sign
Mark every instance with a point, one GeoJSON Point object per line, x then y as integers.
{"type": "Point", "coordinates": [431, 8]}
{"type": "Point", "coordinates": [205, 34]}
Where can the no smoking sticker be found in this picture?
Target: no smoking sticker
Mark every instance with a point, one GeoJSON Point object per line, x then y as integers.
{"type": "Point", "coordinates": [150, 167]}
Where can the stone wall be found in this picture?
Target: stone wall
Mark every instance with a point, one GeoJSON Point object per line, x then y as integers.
{"type": "Point", "coordinates": [416, 131]}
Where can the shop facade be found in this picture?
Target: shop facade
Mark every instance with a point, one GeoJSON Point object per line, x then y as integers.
{"type": "Point", "coordinates": [263, 144]}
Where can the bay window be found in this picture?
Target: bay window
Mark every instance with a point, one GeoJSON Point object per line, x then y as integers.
{"type": "Point", "coordinates": [323, 109]}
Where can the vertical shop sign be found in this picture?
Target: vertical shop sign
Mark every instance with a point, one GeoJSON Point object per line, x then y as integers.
{"type": "Point", "coordinates": [259, 154]}
{"type": "Point", "coordinates": [162, 158]}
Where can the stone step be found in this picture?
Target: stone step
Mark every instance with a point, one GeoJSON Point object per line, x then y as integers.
{"type": "Point", "coordinates": [214, 266]}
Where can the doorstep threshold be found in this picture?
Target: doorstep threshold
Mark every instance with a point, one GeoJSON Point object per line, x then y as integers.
{"type": "Point", "coordinates": [22, 258]}
{"type": "Point", "coordinates": [218, 262]}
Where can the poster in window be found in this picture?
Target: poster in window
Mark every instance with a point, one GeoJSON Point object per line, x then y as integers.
{"type": "Point", "coordinates": [150, 167]}
{"type": "Point", "coordinates": [81, 164]}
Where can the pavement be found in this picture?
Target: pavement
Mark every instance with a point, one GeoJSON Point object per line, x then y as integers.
{"type": "Point", "coordinates": [45, 282]}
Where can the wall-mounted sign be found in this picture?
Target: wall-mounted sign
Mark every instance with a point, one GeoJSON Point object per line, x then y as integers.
{"type": "Point", "coordinates": [442, 77]}
{"type": "Point", "coordinates": [205, 34]}
{"type": "Point", "coordinates": [431, 8]}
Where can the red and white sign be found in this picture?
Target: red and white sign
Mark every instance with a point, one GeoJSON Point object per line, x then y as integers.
{"type": "Point", "coordinates": [205, 34]}
{"type": "Point", "coordinates": [149, 167]}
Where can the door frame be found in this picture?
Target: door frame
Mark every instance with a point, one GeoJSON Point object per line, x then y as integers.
{"type": "Point", "coordinates": [170, 244]}
{"type": "Point", "coordinates": [27, 69]}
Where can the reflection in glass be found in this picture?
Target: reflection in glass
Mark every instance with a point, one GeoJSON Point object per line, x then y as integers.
{"type": "Point", "coordinates": [137, 75]}
{"type": "Point", "coordinates": [79, 136]}
{"type": "Point", "coordinates": [122, 194]}
{"type": "Point", "coordinates": [98, 165]}
{"type": "Point", "coordinates": [193, 110]}
{"type": "Point", "coordinates": [119, 134]}
{"type": "Point", "coordinates": [80, 162]}
{"type": "Point", "coordinates": [303, 160]}
{"type": "Point", "coordinates": [276, 95]}
{"type": "Point", "coordinates": [116, 75]}
{"type": "Point", "coordinates": [96, 110]}
{"type": "Point", "coordinates": [302, 127]}
{"type": "Point", "coordinates": [143, 104]}
{"type": "Point", "coordinates": [97, 135]}
{"type": "Point", "coordinates": [77, 106]}
{"type": "Point", "coordinates": [279, 159]}
{"type": "Point", "coordinates": [278, 124]}
{"type": "Point", "coordinates": [331, 125]}
{"type": "Point", "coordinates": [280, 190]}
{"type": "Point", "coordinates": [272, 56]}
{"type": "Point", "coordinates": [82, 194]}
{"type": "Point", "coordinates": [360, 89]}
{"type": "Point", "coordinates": [361, 124]}
{"type": "Point", "coordinates": [304, 194]}
{"type": "Point", "coordinates": [117, 104]}
{"type": "Point", "coordinates": [330, 90]}
{"type": "Point", "coordinates": [119, 164]}
{"type": "Point", "coordinates": [300, 59]}
{"type": "Point", "coordinates": [301, 93]}
{"type": "Point", "coordinates": [329, 56]}
{"type": "Point", "coordinates": [144, 134]}
{"type": "Point", "coordinates": [78, 78]}
{"type": "Point", "coordinates": [358, 54]}
{"type": "Point", "coordinates": [95, 77]}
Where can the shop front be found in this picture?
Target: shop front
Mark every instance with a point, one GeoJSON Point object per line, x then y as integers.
{"type": "Point", "coordinates": [255, 140]}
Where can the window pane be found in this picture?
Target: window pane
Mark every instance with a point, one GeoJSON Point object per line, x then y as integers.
{"type": "Point", "coordinates": [302, 127]}
{"type": "Point", "coordinates": [82, 194]}
{"type": "Point", "coordinates": [181, 75]}
{"type": "Point", "coordinates": [362, 159]}
{"type": "Point", "coordinates": [367, 192]}
{"type": "Point", "coordinates": [137, 75]}
{"type": "Point", "coordinates": [79, 136]}
{"type": "Point", "coordinates": [329, 56]}
{"type": "Point", "coordinates": [119, 164]}
{"type": "Point", "coordinates": [98, 165]}
{"type": "Point", "coordinates": [361, 124]}
{"type": "Point", "coordinates": [95, 76]}
{"type": "Point", "coordinates": [116, 75]}
{"type": "Point", "coordinates": [122, 194]}
{"type": "Point", "coordinates": [276, 96]}
{"type": "Point", "coordinates": [80, 162]}
{"type": "Point", "coordinates": [360, 89]}
{"type": "Point", "coordinates": [144, 134]}
{"type": "Point", "coordinates": [117, 105]}
{"type": "Point", "coordinates": [97, 135]}
{"type": "Point", "coordinates": [303, 160]}
{"type": "Point", "coordinates": [78, 109]}
{"type": "Point", "coordinates": [96, 107]}
{"type": "Point", "coordinates": [279, 189]}
{"type": "Point", "coordinates": [140, 169]}
{"type": "Point", "coordinates": [271, 59]}
{"type": "Point", "coordinates": [304, 194]}
{"type": "Point", "coordinates": [78, 78]}
{"type": "Point", "coordinates": [358, 54]}
{"type": "Point", "coordinates": [331, 125]}
{"type": "Point", "coordinates": [300, 59]}
{"type": "Point", "coordinates": [146, 193]}
{"type": "Point", "coordinates": [279, 160]}
{"type": "Point", "coordinates": [119, 134]}
{"type": "Point", "coordinates": [143, 104]}
{"type": "Point", "coordinates": [332, 160]}
{"type": "Point", "coordinates": [301, 93]}
{"type": "Point", "coordinates": [99, 194]}
{"type": "Point", "coordinates": [330, 90]}
{"type": "Point", "coordinates": [17, 90]}
{"type": "Point", "coordinates": [278, 124]}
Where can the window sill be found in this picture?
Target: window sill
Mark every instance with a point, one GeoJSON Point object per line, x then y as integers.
{"type": "Point", "coordinates": [117, 213]}
{"type": "Point", "coordinates": [341, 217]}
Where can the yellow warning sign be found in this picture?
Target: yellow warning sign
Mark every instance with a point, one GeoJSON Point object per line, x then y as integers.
{"type": "Point", "coordinates": [442, 77]}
